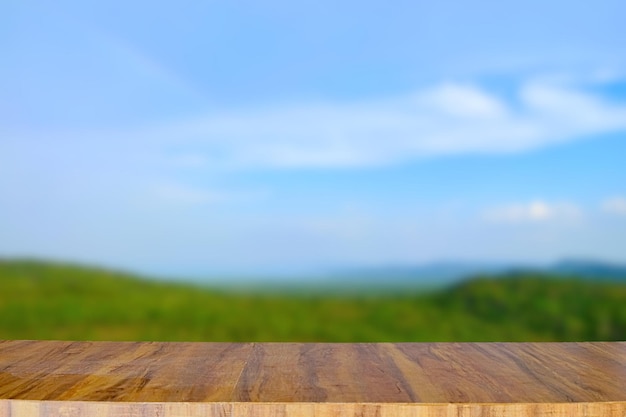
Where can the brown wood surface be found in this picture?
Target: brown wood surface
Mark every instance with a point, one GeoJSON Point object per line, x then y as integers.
{"type": "Point", "coordinates": [49, 378]}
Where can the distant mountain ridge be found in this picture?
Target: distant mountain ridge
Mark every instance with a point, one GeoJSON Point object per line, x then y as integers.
{"type": "Point", "coordinates": [590, 268]}
{"type": "Point", "coordinates": [433, 275]}
{"type": "Point", "coordinates": [448, 273]}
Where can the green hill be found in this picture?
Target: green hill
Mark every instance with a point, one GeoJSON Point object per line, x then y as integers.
{"type": "Point", "coordinates": [40, 300]}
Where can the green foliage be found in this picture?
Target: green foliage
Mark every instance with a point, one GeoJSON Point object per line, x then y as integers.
{"type": "Point", "coordinates": [51, 301]}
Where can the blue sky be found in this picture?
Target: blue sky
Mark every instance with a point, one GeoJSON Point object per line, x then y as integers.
{"type": "Point", "coordinates": [214, 137]}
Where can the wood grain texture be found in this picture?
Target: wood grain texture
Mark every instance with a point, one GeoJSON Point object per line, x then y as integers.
{"type": "Point", "coordinates": [50, 378]}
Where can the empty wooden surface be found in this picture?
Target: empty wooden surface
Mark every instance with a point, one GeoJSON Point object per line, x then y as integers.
{"type": "Point", "coordinates": [45, 378]}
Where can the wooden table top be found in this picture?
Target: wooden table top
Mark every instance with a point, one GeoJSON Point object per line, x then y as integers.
{"type": "Point", "coordinates": [317, 379]}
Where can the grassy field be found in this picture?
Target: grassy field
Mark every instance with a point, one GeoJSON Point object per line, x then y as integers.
{"type": "Point", "coordinates": [41, 300]}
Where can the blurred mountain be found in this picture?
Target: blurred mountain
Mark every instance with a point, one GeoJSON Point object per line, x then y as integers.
{"type": "Point", "coordinates": [431, 275]}
{"type": "Point", "coordinates": [435, 276]}
{"type": "Point", "coordinates": [589, 269]}
{"type": "Point", "coordinates": [442, 274]}
{"type": "Point", "coordinates": [43, 300]}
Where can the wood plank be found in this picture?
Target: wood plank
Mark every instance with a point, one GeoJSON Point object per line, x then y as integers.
{"type": "Point", "coordinates": [120, 371]}
{"type": "Point", "coordinates": [49, 378]}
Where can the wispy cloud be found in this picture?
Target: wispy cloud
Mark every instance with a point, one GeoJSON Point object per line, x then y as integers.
{"type": "Point", "coordinates": [615, 205]}
{"type": "Point", "coordinates": [186, 195]}
{"type": "Point", "coordinates": [445, 119]}
{"type": "Point", "coordinates": [442, 120]}
{"type": "Point", "coordinates": [177, 193]}
{"type": "Point", "coordinates": [534, 211]}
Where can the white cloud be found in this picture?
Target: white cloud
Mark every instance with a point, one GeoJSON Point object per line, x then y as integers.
{"type": "Point", "coordinates": [462, 100]}
{"type": "Point", "coordinates": [443, 120]}
{"type": "Point", "coordinates": [534, 211]}
{"type": "Point", "coordinates": [448, 119]}
{"type": "Point", "coordinates": [187, 195]}
{"type": "Point", "coordinates": [615, 205]}
{"type": "Point", "coordinates": [181, 194]}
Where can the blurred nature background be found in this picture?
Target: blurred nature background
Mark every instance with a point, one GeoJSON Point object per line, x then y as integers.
{"type": "Point", "coordinates": [313, 170]}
